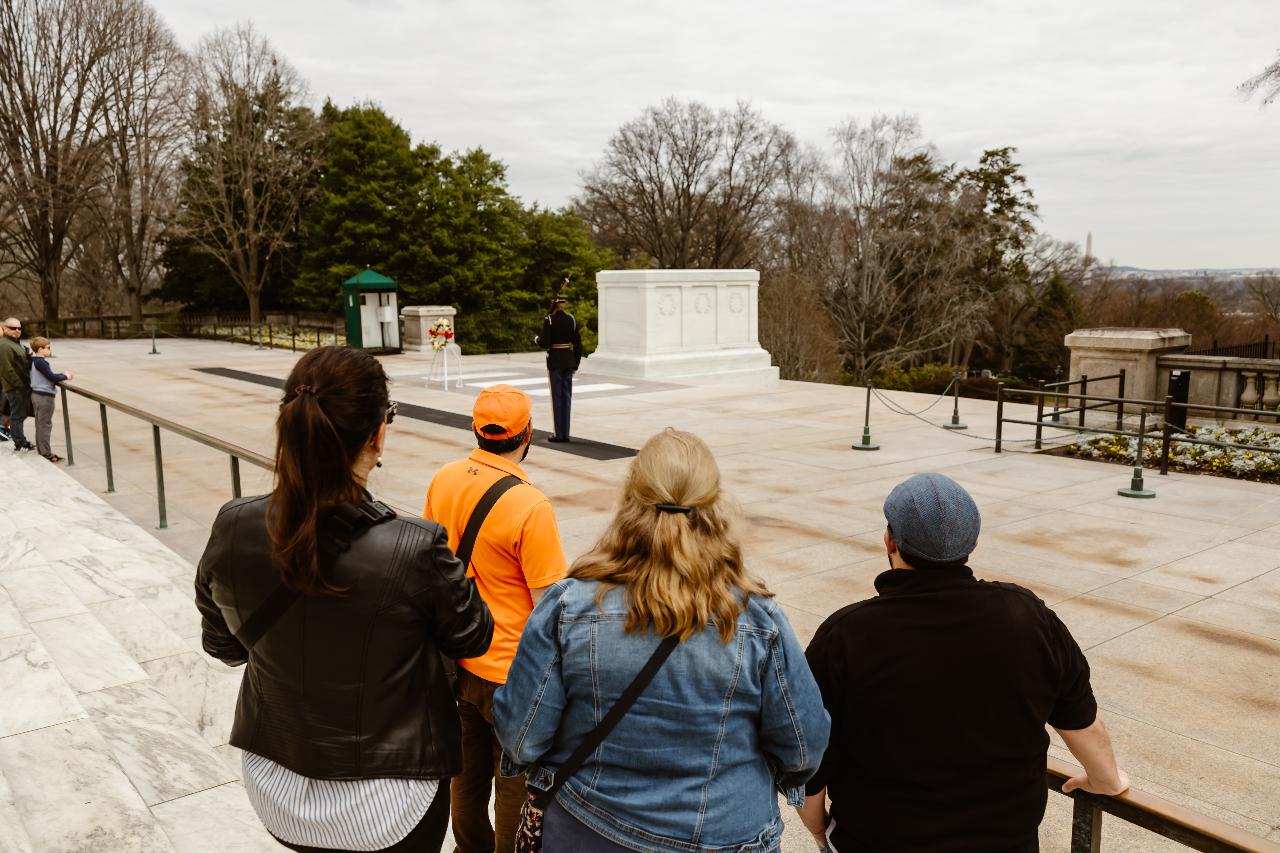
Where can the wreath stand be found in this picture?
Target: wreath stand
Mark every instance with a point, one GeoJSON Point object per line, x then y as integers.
{"type": "Point", "coordinates": [440, 366]}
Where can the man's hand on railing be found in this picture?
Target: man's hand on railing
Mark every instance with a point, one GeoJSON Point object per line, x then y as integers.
{"type": "Point", "coordinates": [1092, 748]}
{"type": "Point", "coordinates": [1109, 788]}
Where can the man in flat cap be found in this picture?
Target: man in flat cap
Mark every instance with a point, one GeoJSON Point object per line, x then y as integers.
{"type": "Point", "coordinates": [939, 689]}
{"type": "Point", "coordinates": [562, 340]}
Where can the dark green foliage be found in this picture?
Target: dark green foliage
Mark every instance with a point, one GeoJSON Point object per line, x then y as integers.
{"type": "Point", "coordinates": [444, 227]}
{"type": "Point", "coordinates": [366, 210]}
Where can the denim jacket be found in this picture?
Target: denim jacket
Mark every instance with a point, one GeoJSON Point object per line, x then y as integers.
{"type": "Point", "coordinates": [693, 766]}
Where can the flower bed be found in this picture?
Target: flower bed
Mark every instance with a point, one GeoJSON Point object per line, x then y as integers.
{"type": "Point", "coordinates": [1223, 461]}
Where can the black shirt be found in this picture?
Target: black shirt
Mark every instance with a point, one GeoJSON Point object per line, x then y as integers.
{"type": "Point", "coordinates": [939, 690]}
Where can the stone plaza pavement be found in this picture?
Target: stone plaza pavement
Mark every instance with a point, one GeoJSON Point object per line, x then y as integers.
{"type": "Point", "coordinates": [113, 723]}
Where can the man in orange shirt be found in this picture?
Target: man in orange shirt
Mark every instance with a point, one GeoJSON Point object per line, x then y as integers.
{"type": "Point", "coordinates": [517, 555]}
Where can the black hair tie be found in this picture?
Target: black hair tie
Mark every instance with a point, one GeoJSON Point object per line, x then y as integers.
{"type": "Point", "coordinates": [687, 510]}
{"type": "Point", "coordinates": [307, 389]}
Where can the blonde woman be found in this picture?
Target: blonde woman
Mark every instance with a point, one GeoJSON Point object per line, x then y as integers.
{"type": "Point", "coordinates": [730, 716]}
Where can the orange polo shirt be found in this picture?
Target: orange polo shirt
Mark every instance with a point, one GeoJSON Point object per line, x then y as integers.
{"type": "Point", "coordinates": [518, 548]}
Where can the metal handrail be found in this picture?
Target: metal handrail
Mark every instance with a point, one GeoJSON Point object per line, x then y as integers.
{"type": "Point", "coordinates": [234, 451]}
{"type": "Point", "coordinates": [1170, 820]}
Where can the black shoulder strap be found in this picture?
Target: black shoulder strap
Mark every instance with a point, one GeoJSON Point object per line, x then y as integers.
{"type": "Point", "coordinates": [596, 736]}
{"type": "Point", "coordinates": [351, 520]}
{"type": "Point", "coordinates": [468, 541]}
{"type": "Point", "coordinates": [260, 620]}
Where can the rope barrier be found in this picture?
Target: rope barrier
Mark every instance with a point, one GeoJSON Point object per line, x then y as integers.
{"type": "Point", "coordinates": [892, 406]}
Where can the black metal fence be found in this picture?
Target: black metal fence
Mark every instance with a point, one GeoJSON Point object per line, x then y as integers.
{"type": "Point", "coordinates": [1083, 384]}
{"type": "Point", "coordinates": [1169, 434]}
{"type": "Point", "coordinates": [1265, 348]}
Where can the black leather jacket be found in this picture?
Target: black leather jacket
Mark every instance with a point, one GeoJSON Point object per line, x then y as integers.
{"type": "Point", "coordinates": [351, 686]}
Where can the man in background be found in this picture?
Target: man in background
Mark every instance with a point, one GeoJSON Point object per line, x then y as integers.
{"type": "Point", "coordinates": [939, 689]}
{"type": "Point", "coordinates": [15, 381]}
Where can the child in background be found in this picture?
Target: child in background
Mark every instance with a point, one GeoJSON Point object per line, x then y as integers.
{"type": "Point", "coordinates": [43, 381]}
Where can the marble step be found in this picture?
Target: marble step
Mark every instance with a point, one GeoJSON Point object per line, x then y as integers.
{"type": "Point", "coordinates": [114, 723]}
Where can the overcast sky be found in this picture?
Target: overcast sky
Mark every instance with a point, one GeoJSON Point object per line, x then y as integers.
{"type": "Point", "coordinates": [1125, 114]}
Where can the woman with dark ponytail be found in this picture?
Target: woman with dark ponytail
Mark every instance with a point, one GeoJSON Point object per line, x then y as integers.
{"type": "Point", "coordinates": [342, 611]}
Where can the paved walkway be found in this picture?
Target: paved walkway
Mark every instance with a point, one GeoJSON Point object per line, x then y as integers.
{"type": "Point", "coordinates": [113, 723]}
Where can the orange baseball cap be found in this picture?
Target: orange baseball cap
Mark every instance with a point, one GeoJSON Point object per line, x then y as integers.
{"type": "Point", "coordinates": [501, 412]}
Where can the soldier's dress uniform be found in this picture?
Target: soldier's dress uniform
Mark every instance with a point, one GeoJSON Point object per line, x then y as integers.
{"type": "Point", "coordinates": [562, 340]}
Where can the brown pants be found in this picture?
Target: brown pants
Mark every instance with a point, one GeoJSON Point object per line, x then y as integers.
{"type": "Point", "coordinates": [469, 793]}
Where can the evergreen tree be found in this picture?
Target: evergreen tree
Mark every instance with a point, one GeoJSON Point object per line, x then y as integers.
{"type": "Point", "coordinates": [367, 208]}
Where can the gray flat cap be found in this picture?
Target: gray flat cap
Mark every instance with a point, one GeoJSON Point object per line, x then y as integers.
{"type": "Point", "coordinates": [933, 517]}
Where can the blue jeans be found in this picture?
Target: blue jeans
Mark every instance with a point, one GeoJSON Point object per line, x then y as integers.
{"type": "Point", "coordinates": [564, 833]}
{"type": "Point", "coordinates": [561, 400]}
{"type": "Point", "coordinates": [17, 404]}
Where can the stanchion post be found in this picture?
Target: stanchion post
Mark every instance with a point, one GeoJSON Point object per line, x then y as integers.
{"type": "Point", "coordinates": [1040, 409]}
{"type": "Point", "coordinates": [66, 428]}
{"type": "Point", "coordinates": [1120, 405]}
{"type": "Point", "coordinates": [1084, 399]}
{"type": "Point", "coordinates": [106, 448]}
{"type": "Point", "coordinates": [154, 351]}
{"type": "Point", "coordinates": [164, 515]}
{"type": "Point", "coordinates": [235, 476]}
{"type": "Point", "coordinates": [955, 422]}
{"type": "Point", "coordinates": [1136, 487]}
{"type": "Point", "coordinates": [999, 414]}
{"type": "Point", "coordinates": [1166, 433]}
{"type": "Point", "coordinates": [866, 444]}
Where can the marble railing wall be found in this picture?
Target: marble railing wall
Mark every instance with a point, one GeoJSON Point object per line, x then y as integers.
{"type": "Point", "coordinates": [1246, 383]}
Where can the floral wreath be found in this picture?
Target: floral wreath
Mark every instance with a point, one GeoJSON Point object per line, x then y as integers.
{"type": "Point", "coordinates": [441, 333]}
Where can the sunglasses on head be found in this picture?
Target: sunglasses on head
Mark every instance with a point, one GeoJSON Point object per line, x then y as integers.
{"type": "Point", "coordinates": [392, 408]}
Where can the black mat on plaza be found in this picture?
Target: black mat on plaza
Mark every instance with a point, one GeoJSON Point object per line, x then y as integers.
{"type": "Point", "coordinates": [578, 447]}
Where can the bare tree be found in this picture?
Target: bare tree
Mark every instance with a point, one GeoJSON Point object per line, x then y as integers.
{"type": "Point", "coordinates": [254, 148]}
{"type": "Point", "coordinates": [686, 186]}
{"type": "Point", "coordinates": [890, 247]}
{"type": "Point", "coordinates": [1016, 303]}
{"type": "Point", "coordinates": [1264, 292]}
{"type": "Point", "coordinates": [795, 327]}
{"type": "Point", "coordinates": [144, 83]}
{"type": "Point", "coordinates": [1267, 82]}
{"type": "Point", "coordinates": [51, 110]}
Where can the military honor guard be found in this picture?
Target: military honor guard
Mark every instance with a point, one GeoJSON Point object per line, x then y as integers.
{"type": "Point", "coordinates": [562, 340]}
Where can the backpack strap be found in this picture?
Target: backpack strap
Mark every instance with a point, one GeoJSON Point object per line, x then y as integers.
{"type": "Point", "coordinates": [471, 532]}
{"type": "Point", "coordinates": [349, 521]}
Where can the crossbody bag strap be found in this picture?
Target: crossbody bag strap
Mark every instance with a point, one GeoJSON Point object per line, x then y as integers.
{"type": "Point", "coordinates": [596, 736]}
{"type": "Point", "coordinates": [261, 620]}
{"type": "Point", "coordinates": [351, 520]}
{"type": "Point", "coordinates": [469, 534]}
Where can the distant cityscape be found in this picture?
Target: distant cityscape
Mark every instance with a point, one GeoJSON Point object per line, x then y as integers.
{"type": "Point", "coordinates": [1208, 274]}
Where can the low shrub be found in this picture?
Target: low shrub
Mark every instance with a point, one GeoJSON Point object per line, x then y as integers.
{"type": "Point", "coordinates": [1257, 465]}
